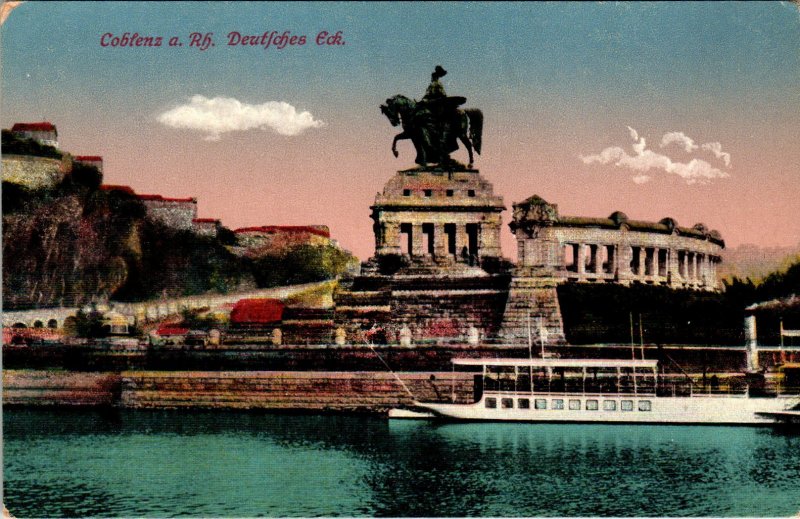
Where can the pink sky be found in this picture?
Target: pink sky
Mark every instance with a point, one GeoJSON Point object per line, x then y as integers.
{"type": "Point", "coordinates": [555, 81]}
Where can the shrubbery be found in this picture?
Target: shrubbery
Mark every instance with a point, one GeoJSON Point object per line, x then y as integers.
{"type": "Point", "coordinates": [602, 313]}
{"type": "Point", "coordinates": [300, 264]}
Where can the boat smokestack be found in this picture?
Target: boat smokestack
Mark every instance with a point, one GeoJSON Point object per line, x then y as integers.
{"type": "Point", "coordinates": [751, 342]}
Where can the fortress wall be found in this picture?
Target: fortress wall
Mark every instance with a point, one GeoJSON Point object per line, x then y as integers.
{"type": "Point", "coordinates": [178, 214]}
{"type": "Point", "coordinates": [32, 172]}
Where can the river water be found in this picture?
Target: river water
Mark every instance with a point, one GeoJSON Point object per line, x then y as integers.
{"type": "Point", "coordinates": [177, 463]}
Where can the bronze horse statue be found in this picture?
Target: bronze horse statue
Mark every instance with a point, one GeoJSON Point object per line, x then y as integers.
{"type": "Point", "coordinates": [434, 127]}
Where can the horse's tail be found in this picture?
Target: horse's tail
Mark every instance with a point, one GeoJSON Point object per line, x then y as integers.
{"type": "Point", "coordinates": [475, 128]}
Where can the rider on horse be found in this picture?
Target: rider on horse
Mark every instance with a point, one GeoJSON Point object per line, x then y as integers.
{"type": "Point", "coordinates": [444, 109]}
{"type": "Point", "coordinates": [435, 124]}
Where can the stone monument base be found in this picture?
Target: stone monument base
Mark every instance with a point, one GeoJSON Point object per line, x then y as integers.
{"type": "Point", "coordinates": [533, 311]}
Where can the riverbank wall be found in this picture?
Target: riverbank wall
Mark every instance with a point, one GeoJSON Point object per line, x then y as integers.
{"type": "Point", "coordinates": [270, 390]}
{"type": "Point", "coordinates": [107, 357]}
{"type": "Point", "coordinates": [59, 388]}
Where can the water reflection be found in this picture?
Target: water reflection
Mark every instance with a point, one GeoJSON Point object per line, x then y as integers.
{"type": "Point", "coordinates": [163, 463]}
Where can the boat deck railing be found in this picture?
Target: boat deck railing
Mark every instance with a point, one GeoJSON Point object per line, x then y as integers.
{"type": "Point", "coordinates": [665, 387]}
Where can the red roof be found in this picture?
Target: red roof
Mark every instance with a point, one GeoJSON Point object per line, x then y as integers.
{"type": "Point", "coordinates": [89, 158]}
{"type": "Point", "coordinates": [33, 127]}
{"type": "Point", "coordinates": [112, 187]}
{"type": "Point", "coordinates": [205, 220]}
{"type": "Point", "coordinates": [165, 199]}
{"type": "Point", "coordinates": [275, 229]}
{"type": "Point", "coordinates": [166, 329]}
{"type": "Point", "coordinates": [257, 311]}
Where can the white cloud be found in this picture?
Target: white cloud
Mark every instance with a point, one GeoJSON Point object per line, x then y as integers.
{"type": "Point", "coordinates": [681, 139]}
{"type": "Point", "coordinates": [716, 149]}
{"type": "Point", "coordinates": [606, 156]}
{"type": "Point", "coordinates": [643, 160]}
{"type": "Point", "coordinates": [226, 114]}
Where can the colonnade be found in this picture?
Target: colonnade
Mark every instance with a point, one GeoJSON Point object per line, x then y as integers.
{"type": "Point", "coordinates": [435, 239]}
{"type": "Point", "coordinates": [584, 261]}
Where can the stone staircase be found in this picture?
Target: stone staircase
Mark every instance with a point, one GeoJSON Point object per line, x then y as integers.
{"type": "Point", "coordinates": [531, 301]}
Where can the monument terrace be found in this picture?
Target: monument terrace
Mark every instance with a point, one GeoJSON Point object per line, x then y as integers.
{"type": "Point", "coordinates": [438, 272]}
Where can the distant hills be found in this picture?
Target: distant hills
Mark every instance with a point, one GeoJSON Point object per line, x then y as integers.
{"type": "Point", "coordinates": [756, 263]}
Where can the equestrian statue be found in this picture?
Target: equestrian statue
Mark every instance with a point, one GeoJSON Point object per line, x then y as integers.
{"type": "Point", "coordinates": [435, 124]}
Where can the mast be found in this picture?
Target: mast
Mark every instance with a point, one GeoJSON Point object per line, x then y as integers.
{"type": "Point", "coordinates": [530, 353]}
{"type": "Point", "coordinates": [633, 351]}
{"type": "Point", "coordinates": [641, 336]}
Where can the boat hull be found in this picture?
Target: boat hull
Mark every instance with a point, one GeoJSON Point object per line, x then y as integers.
{"type": "Point", "coordinates": [707, 409]}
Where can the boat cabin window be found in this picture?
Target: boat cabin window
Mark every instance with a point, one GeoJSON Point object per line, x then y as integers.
{"type": "Point", "coordinates": [500, 378]}
{"type": "Point", "coordinates": [645, 405]}
{"type": "Point", "coordinates": [574, 405]}
{"type": "Point", "coordinates": [591, 405]}
{"type": "Point", "coordinates": [574, 379]}
{"type": "Point", "coordinates": [558, 403]}
{"type": "Point", "coordinates": [524, 403]}
{"type": "Point", "coordinates": [507, 403]}
{"type": "Point", "coordinates": [627, 405]}
{"type": "Point", "coordinates": [609, 405]}
{"type": "Point", "coordinates": [541, 403]}
{"type": "Point", "coordinates": [491, 403]}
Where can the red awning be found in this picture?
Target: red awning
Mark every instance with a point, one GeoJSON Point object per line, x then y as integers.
{"type": "Point", "coordinates": [257, 311]}
{"type": "Point", "coordinates": [170, 329]}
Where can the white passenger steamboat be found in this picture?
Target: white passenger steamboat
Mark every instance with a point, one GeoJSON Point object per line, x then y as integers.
{"type": "Point", "coordinates": [601, 390]}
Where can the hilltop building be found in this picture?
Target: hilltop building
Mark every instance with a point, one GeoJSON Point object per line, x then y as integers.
{"type": "Point", "coordinates": [206, 226]}
{"type": "Point", "coordinates": [44, 132]}
{"type": "Point", "coordinates": [177, 213]}
{"type": "Point", "coordinates": [90, 160]}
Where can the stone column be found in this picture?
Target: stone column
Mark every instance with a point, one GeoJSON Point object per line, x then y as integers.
{"type": "Point", "coordinates": [672, 258]}
{"type": "Point", "coordinates": [713, 266]}
{"type": "Point", "coordinates": [489, 236]}
{"type": "Point", "coordinates": [751, 342]}
{"type": "Point", "coordinates": [391, 239]}
{"type": "Point", "coordinates": [701, 268]}
{"type": "Point", "coordinates": [598, 258]}
{"type": "Point", "coordinates": [417, 248]}
{"type": "Point", "coordinates": [623, 261]}
{"type": "Point", "coordinates": [640, 263]}
{"type": "Point", "coordinates": [439, 240]}
{"type": "Point", "coordinates": [581, 260]}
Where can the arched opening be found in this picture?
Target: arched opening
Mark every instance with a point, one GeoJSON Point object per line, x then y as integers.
{"type": "Point", "coordinates": [38, 324]}
{"type": "Point", "coordinates": [52, 323]}
{"type": "Point", "coordinates": [19, 325]}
